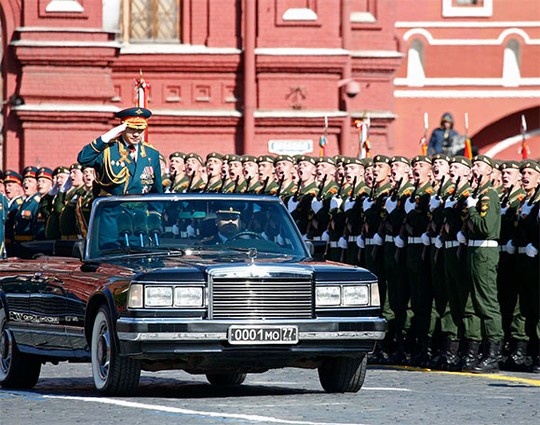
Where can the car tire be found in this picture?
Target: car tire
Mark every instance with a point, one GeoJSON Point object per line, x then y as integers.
{"type": "Point", "coordinates": [17, 370]}
{"type": "Point", "coordinates": [343, 374]}
{"type": "Point", "coordinates": [226, 379]}
{"type": "Point", "coordinates": [113, 375]}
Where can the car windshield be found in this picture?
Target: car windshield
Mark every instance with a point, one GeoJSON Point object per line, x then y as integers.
{"type": "Point", "coordinates": [178, 223]}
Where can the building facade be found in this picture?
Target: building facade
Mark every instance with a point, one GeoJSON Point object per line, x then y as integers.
{"type": "Point", "coordinates": [257, 76]}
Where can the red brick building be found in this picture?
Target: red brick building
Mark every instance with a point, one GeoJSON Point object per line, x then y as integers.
{"type": "Point", "coordinates": [253, 76]}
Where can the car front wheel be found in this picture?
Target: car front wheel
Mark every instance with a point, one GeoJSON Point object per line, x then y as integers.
{"type": "Point", "coordinates": [343, 374]}
{"type": "Point", "coordinates": [113, 374]}
{"type": "Point", "coordinates": [17, 370]}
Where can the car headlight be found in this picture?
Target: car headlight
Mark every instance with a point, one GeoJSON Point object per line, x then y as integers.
{"type": "Point", "coordinates": [158, 296]}
{"type": "Point", "coordinates": [328, 296]}
{"type": "Point", "coordinates": [135, 296]}
{"type": "Point", "coordinates": [356, 295]}
{"type": "Point", "coordinates": [188, 296]}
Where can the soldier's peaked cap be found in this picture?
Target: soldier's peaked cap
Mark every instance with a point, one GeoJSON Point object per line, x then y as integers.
{"type": "Point", "coordinates": [352, 160]}
{"type": "Point", "coordinates": [136, 118]}
{"type": "Point", "coordinates": [265, 158]}
{"type": "Point", "coordinates": [529, 163]}
{"type": "Point", "coordinates": [440, 156]}
{"type": "Point", "coordinates": [45, 172]}
{"type": "Point", "coordinates": [400, 158]}
{"type": "Point", "coordinates": [510, 164]}
{"type": "Point", "coordinates": [326, 159]}
{"type": "Point", "coordinates": [377, 159]}
{"type": "Point", "coordinates": [12, 176]}
{"type": "Point", "coordinates": [29, 171]}
{"type": "Point", "coordinates": [420, 158]}
{"type": "Point", "coordinates": [194, 156]}
{"type": "Point", "coordinates": [306, 158]}
{"type": "Point", "coordinates": [177, 155]}
{"type": "Point", "coordinates": [483, 158]}
{"type": "Point", "coordinates": [461, 160]}
{"type": "Point", "coordinates": [215, 155]}
{"type": "Point", "coordinates": [287, 158]}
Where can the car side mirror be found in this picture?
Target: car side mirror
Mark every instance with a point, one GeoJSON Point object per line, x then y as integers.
{"type": "Point", "coordinates": [78, 249]}
{"type": "Point", "coordinates": [317, 249]}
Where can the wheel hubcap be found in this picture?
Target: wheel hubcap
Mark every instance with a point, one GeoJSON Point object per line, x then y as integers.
{"type": "Point", "coordinates": [103, 351]}
{"type": "Point", "coordinates": [6, 349]}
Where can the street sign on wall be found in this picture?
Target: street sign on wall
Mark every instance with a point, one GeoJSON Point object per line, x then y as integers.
{"type": "Point", "coordinates": [290, 147]}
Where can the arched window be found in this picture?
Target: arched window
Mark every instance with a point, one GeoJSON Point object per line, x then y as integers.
{"type": "Point", "coordinates": [415, 64]}
{"type": "Point", "coordinates": [511, 72]}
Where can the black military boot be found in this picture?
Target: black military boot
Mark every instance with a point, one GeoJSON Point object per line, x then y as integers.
{"type": "Point", "coordinates": [470, 356]}
{"type": "Point", "coordinates": [490, 360]}
{"type": "Point", "coordinates": [517, 360]}
{"type": "Point", "coordinates": [535, 368]}
{"type": "Point", "coordinates": [424, 355]}
{"type": "Point", "coordinates": [451, 356]}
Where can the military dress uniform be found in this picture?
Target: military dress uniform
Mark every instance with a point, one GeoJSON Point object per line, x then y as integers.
{"type": "Point", "coordinates": [354, 220]}
{"type": "Point", "coordinates": [28, 212]}
{"type": "Point", "coordinates": [13, 207]}
{"type": "Point", "coordinates": [4, 206]}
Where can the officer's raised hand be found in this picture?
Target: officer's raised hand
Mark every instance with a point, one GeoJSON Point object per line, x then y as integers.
{"type": "Point", "coordinates": [113, 133]}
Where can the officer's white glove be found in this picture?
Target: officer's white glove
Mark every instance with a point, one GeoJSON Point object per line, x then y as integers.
{"type": "Point", "coordinates": [335, 202]}
{"type": "Point", "coordinates": [360, 242]}
{"type": "Point", "coordinates": [175, 230]}
{"type": "Point", "coordinates": [434, 202]}
{"type": "Point", "coordinates": [438, 242]}
{"type": "Point", "coordinates": [367, 204]}
{"type": "Point", "coordinates": [510, 248]}
{"type": "Point", "coordinates": [461, 237]}
{"type": "Point", "coordinates": [316, 205]}
{"type": "Point", "coordinates": [377, 240]}
{"type": "Point", "coordinates": [292, 204]}
{"type": "Point", "coordinates": [349, 203]}
{"type": "Point", "coordinates": [279, 240]}
{"type": "Point", "coordinates": [191, 231]}
{"type": "Point", "coordinates": [111, 134]}
{"type": "Point", "coordinates": [531, 251]}
{"type": "Point", "coordinates": [526, 209]}
{"type": "Point", "coordinates": [390, 205]}
{"type": "Point", "coordinates": [410, 205]}
{"type": "Point", "coordinates": [66, 186]}
{"type": "Point", "coordinates": [450, 202]}
{"type": "Point", "coordinates": [426, 240]}
{"type": "Point", "coordinates": [471, 202]}
{"type": "Point", "coordinates": [342, 243]}
{"type": "Point", "coordinates": [503, 210]}
{"type": "Point", "coordinates": [399, 242]}
{"type": "Point", "coordinates": [325, 236]}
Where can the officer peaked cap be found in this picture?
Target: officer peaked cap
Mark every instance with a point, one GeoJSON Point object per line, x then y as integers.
{"type": "Point", "coordinates": [136, 118]}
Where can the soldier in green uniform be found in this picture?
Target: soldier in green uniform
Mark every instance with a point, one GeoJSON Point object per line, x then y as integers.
{"type": "Point", "coordinates": [52, 201]}
{"type": "Point", "coordinates": [45, 185]}
{"type": "Point", "coordinates": [250, 169]}
{"type": "Point", "coordinates": [194, 171]}
{"type": "Point", "coordinates": [265, 165]}
{"type": "Point", "coordinates": [14, 194]}
{"type": "Point", "coordinates": [4, 206]}
{"type": "Point", "coordinates": [457, 280]}
{"type": "Point", "coordinates": [299, 205]}
{"type": "Point", "coordinates": [513, 321]}
{"type": "Point", "coordinates": [283, 169]}
{"type": "Point", "coordinates": [416, 208]}
{"type": "Point", "coordinates": [179, 179]}
{"type": "Point", "coordinates": [237, 183]}
{"type": "Point", "coordinates": [397, 281]}
{"type": "Point", "coordinates": [482, 232]}
{"type": "Point", "coordinates": [84, 201]}
{"type": "Point", "coordinates": [68, 214]}
{"type": "Point", "coordinates": [321, 203]}
{"type": "Point", "coordinates": [214, 165]}
{"type": "Point", "coordinates": [528, 266]}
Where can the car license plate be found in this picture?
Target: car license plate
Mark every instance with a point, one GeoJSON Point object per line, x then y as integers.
{"type": "Point", "coordinates": [263, 335]}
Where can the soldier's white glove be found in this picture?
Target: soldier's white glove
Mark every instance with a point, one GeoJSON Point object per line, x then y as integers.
{"type": "Point", "coordinates": [349, 203]}
{"type": "Point", "coordinates": [410, 205]}
{"type": "Point", "coordinates": [175, 230]}
{"type": "Point", "coordinates": [66, 186]}
{"type": "Point", "coordinates": [461, 237]}
{"type": "Point", "coordinates": [325, 236]}
{"type": "Point", "coordinates": [377, 240]}
{"type": "Point", "coordinates": [292, 204]}
{"type": "Point", "coordinates": [510, 248]}
{"type": "Point", "coordinates": [526, 209]}
{"type": "Point", "coordinates": [316, 205]}
{"type": "Point", "coordinates": [367, 204]}
{"type": "Point", "coordinates": [279, 240]}
{"type": "Point", "coordinates": [53, 191]}
{"type": "Point", "coordinates": [335, 202]}
{"type": "Point", "coordinates": [390, 205]}
{"type": "Point", "coordinates": [471, 202]}
{"type": "Point", "coordinates": [438, 242]}
{"type": "Point", "coordinates": [503, 210]}
{"type": "Point", "coordinates": [434, 202]}
{"type": "Point", "coordinates": [342, 243]}
{"type": "Point", "coordinates": [399, 242]}
{"type": "Point", "coordinates": [426, 240]}
{"type": "Point", "coordinates": [450, 202]}
{"type": "Point", "coordinates": [360, 242]}
{"type": "Point", "coordinates": [304, 237]}
{"type": "Point", "coordinates": [531, 251]}
{"type": "Point", "coordinates": [111, 134]}
{"type": "Point", "coordinates": [191, 231]}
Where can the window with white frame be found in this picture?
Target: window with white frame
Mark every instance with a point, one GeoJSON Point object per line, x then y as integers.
{"type": "Point", "coordinates": [415, 64]}
{"type": "Point", "coordinates": [511, 69]}
{"type": "Point", "coordinates": [148, 21]}
{"type": "Point", "coordinates": [467, 8]}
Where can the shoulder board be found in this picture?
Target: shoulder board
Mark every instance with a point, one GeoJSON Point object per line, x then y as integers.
{"type": "Point", "coordinates": [19, 201]}
{"type": "Point", "coordinates": [486, 190]}
{"type": "Point", "coordinates": [521, 197]}
{"type": "Point", "coordinates": [333, 190]}
{"type": "Point", "coordinates": [452, 190]}
{"type": "Point", "coordinates": [466, 193]}
{"type": "Point", "coordinates": [407, 192]}
{"type": "Point", "coordinates": [149, 145]}
{"type": "Point", "coordinates": [429, 190]}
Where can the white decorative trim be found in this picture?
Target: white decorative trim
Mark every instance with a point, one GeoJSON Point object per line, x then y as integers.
{"type": "Point", "coordinates": [36, 43]}
{"type": "Point", "coordinates": [64, 6]}
{"type": "Point", "coordinates": [506, 143]}
{"type": "Point", "coordinates": [466, 24]}
{"type": "Point", "coordinates": [467, 94]}
{"type": "Point", "coordinates": [57, 107]}
{"type": "Point", "coordinates": [362, 18]}
{"type": "Point", "coordinates": [376, 54]}
{"type": "Point", "coordinates": [451, 11]}
{"type": "Point", "coordinates": [288, 113]}
{"type": "Point", "coordinates": [197, 113]}
{"type": "Point", "coordinates": [156, 48]}
{"type": "Point", "coordinates": [453, 82]}
{"type": "Point", "coordinates": [299, 14]}
{"type": "Point", "coordinates": [471, 42]}
{"type": "Point", "coordinates": [299, 51]}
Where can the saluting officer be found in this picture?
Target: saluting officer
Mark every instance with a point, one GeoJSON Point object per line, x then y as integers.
{"type": "Point", "coordinates": [124, 162]}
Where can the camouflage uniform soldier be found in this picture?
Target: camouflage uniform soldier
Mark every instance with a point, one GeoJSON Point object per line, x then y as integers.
{"type": "Point", "coordinates": [68, 214]}
{"type": "Point", "coordinates": [513, 321]}
{"type": "Point", "coordinates": [194, 171]}
{"type": "Point", "coordinates": [528, 266]}
{"type": "Point", "coordinates": [483, 231]}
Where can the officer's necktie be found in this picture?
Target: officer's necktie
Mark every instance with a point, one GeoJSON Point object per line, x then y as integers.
{"type": "Point", "coordinates": [132, 152]}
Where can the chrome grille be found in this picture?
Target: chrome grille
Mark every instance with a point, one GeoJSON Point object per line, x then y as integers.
{"type": "Point", "coordinates": [262, 298]}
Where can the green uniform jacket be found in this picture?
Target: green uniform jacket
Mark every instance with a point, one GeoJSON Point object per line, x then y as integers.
{"type": "Point", "coordinates": [484, 220]}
